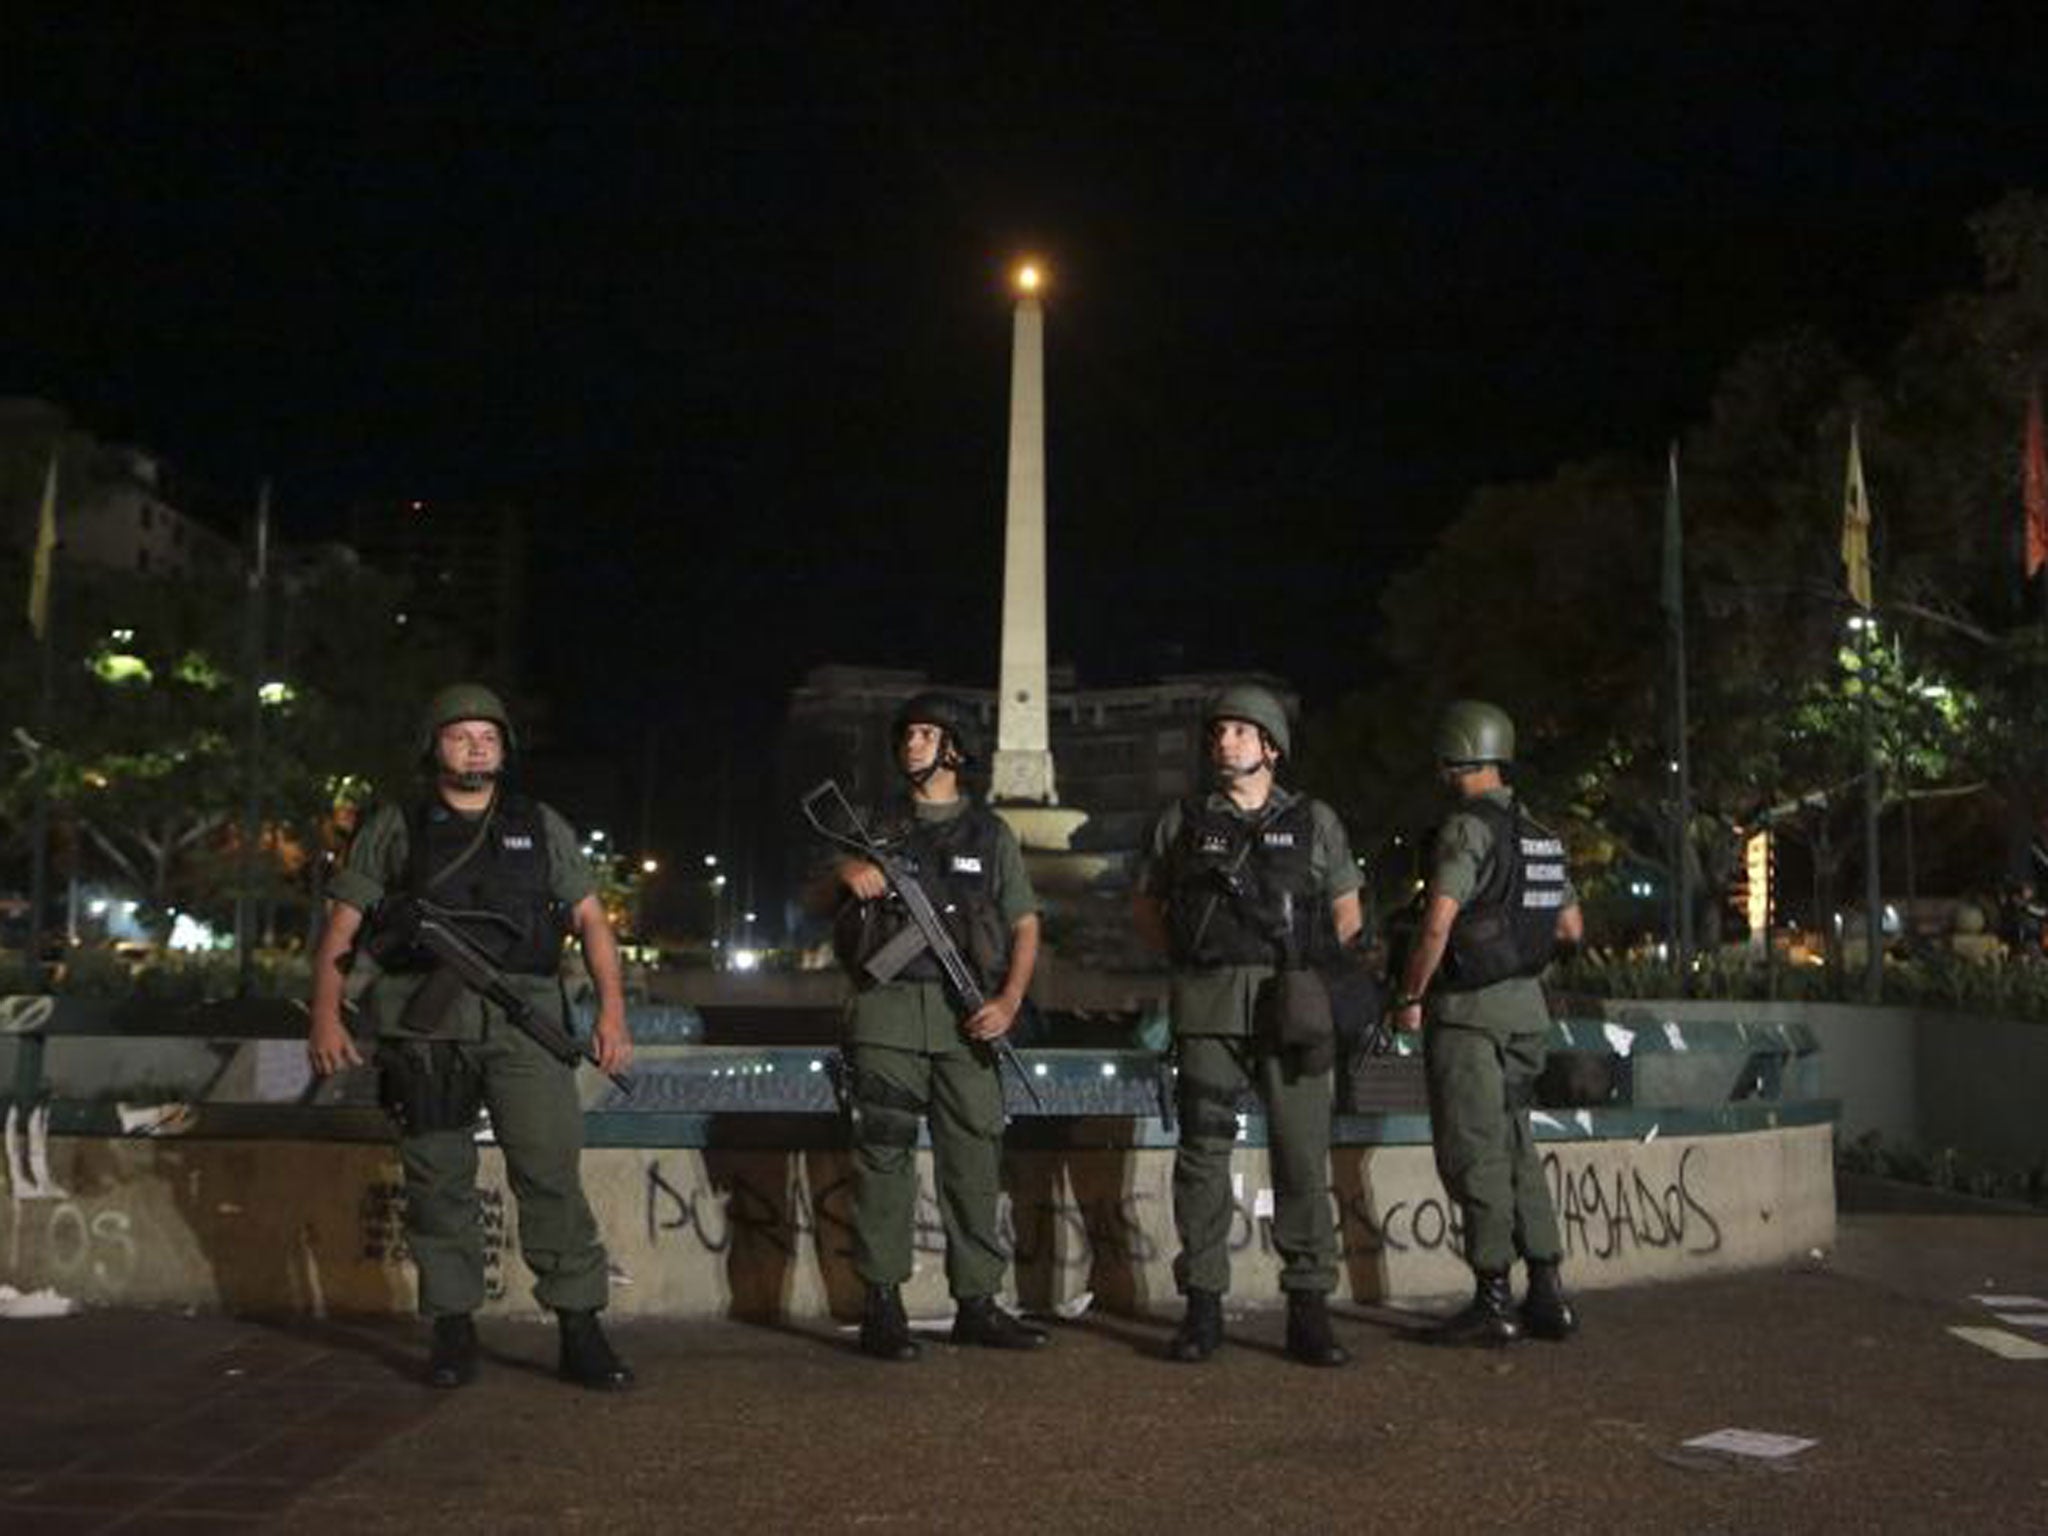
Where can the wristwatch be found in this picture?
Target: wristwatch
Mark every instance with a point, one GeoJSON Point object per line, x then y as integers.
{"type": "Point", "coordinates": [1408, 1002]}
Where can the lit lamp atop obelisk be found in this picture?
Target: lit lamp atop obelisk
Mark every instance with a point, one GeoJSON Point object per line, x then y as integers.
{"type": "Point", "coordinates": [1022, 778]}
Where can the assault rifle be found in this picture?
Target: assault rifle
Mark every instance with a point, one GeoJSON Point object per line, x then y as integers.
{"type": "Point", "coordinates": [926, 931]}
{"type": "Point", "coordinates": [408, 923]}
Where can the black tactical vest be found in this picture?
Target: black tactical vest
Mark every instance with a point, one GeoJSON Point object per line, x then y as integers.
{"type": "Point", "coordinates": [507, 876]}
{"type": "Point", "coordinates": [957, 862]}
{"type": "Point", "coordinates": [1509, 927]}
{"type": "Point", "coordinates": [1230, 902]}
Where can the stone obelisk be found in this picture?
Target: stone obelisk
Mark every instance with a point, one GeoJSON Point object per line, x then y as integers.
{"type": "Point", "coordinates": [1022, 782]}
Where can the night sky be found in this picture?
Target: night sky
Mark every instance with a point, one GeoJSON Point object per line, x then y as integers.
{"type": "Point", "coordinates": [722, 301]}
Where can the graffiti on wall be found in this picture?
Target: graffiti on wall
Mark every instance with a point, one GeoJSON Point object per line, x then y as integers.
{"type": "Point", "coordinates": [1605, 1212]}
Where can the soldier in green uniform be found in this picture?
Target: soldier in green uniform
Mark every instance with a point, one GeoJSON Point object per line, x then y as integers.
{"type": "Point", "coordinates": [1498, 902]}
{"type": "Point", "coordinates": [914, 1057]}
{"type": "Point", "coordinates": [511, 865]}
{"type": "Point", "coordinates": [1243, 890]}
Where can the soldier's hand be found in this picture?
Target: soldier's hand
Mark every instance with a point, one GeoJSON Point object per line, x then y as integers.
{"type": "Point", "coordinates": [1409, 1019]}
{"type": "Point", "coordinates": [863, 879]}
{"type": "Point", "coordinates": [612, 1044]}
{"type": "Point", "coordinates": [991, 1021]}
{"type": "Point", "coordinates": [330, 1047]}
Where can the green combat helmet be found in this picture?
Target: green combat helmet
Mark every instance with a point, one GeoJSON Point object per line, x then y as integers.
{"type": "Point", "coordinates": [943, 711]}
{"type": "Point", "coordinates": [465, 701]}
{"type": "Point", "coordinates": [1475, 732]}
{"type": "Point", "coordinates": [1255, 706]}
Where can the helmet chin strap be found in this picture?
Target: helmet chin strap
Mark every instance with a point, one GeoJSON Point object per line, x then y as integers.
{"type": "Point", "coordinates": [469, 780]}
{"type": "Point", "coordinates": [946, 757]}
{"type": "Point", "coordinates": [1229, 773]}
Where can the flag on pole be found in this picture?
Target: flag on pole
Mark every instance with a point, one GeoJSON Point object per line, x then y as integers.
{"type": "Point", "coordinates": [1856, 525]}
{"type": "Point", "coordinates": [45, 556]}
{"type": "Point", "coordinates": [2036, 484]}
{"type": "Point", "coordinates": [1674, 551]}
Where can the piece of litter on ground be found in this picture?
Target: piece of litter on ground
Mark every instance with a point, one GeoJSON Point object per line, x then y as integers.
{"type": "Point", "coordinates": [1651, 1135]}
{"type": "Point", "coordinates": [2010, 1303]}
{"type": "Point", "coordinates": [33, 1304]}
{"type": "Point", "coordinates": [2023, 1319]}
{"type": "Point", "coordinates": [2008, 1346]}
{"type": "Point", "coordinates": [1075, 1306]}
{"type": "Point", "coordinates": [1750, 1442]}
{"type": "Point", "coordinates": [1262, 1205]}
{"type": "Point", "coordinates": [155, 1119]}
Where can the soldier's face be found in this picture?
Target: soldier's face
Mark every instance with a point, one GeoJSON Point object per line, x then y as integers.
{"type": "Point", "coordinates": [1237, 747]}
{"type": "Point", "coordinates": [920, 746]}
{"type": "Point", "coordinates": [472, 749]}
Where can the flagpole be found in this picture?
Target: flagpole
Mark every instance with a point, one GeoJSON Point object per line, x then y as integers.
{"type": "Point", "coordinates": [1856, 529]}
{"type": "Point", "coordinates": [39, 826]}
{"type": "Point", "coordinates": [252, 811]}
{"type": "Point", "coordinates": [1674, 595]}
{"type": "Point", "coordinates": [2034, 509]}
{"type": "Point", "coordinates": [42, 584]}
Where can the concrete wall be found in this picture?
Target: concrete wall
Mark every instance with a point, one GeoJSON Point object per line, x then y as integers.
{"type": "Point", "coordinates": [311, 1228]}
{"type": "Point", "coordinates": [1867, 1055]}
{"type": "Point", "coordinates": [1918, 1077]}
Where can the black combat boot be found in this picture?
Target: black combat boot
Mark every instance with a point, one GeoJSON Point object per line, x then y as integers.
{"type": "Point", "coordinates": [587, 1357]}
{"type": "Point", "coordinates": [452, 1361]}
{"type": "Point", "coordinates": [884, 1330]}
{"type": "Point", "coordinates": [1489, 1319]}
{"type": "Point", "coordinates": [1546, 1311]}
{"type": "Point", "coordinates": [1308, 1330]}
{"type": "Point", "coordinates": [1200, 1333]}
{"type": "Point", "coordinates": [980, 1321]}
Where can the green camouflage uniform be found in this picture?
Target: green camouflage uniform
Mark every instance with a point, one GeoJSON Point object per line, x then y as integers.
{"type": "Point", "coordinates": [911, 1061]}
{"type": "Point", "coordinates": [1220, 1056]}
{"type": "Point", "coordinates": [1483, 1051]}
{"type": "Point", "coordinates": [535, 1114]}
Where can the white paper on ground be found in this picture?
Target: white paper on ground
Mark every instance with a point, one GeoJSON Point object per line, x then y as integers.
{"type": "Point", "coordinates": [2008, 1346]}
{"type": "Point", "coordinates": [2013, 1302]}
{"type": "Point", "coordinates": [43, 1303]}
{"type": "Point", "coordinates": [1750, 1442]}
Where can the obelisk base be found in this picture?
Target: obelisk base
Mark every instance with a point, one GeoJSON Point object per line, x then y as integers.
{"type": "Point", "coordinates": [1042, 828]}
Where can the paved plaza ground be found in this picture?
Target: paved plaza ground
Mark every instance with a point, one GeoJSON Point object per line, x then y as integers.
{"type": "Point", "coordinates": [132, 1422]}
